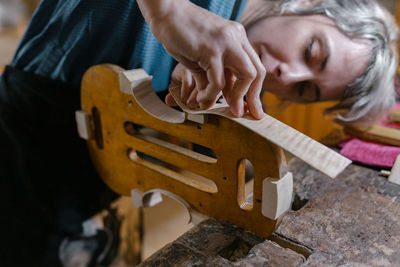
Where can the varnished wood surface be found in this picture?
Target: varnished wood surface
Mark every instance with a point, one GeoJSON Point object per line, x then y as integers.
{"type": "Point", "coordinates": [115, 153]}
{"type": "Point", "coordinates": [213, 186]}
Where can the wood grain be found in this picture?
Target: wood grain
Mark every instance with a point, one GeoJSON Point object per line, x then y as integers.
{"type": "Point", "coordinates": [123, 170]}
{"type": "Point", "coordinates": [126, 158]}
{"type": "Point", "coordinates": [315, 154]}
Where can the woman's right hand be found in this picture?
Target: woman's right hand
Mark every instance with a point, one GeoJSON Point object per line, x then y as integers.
{"type": "Point", "coordinates": [211, 48]}
{"type": "Point", "coordinates": [181, 76]}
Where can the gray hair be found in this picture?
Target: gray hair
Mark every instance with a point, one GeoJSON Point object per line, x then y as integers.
{"type": "Point", "coordinates": [369, 96]}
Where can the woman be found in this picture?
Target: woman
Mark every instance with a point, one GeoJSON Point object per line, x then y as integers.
{"type": "Point", "coordinates": [332, 50]}
{"type": "Point", "coordinates": [48, 186]}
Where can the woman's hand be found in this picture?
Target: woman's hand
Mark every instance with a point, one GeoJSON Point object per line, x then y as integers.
{"type": "Point", "coordinates": [212, 48]}
{"type": "Point", "coordinates": [181, 76]}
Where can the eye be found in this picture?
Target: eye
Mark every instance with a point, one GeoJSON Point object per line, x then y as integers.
{"type": "Point", "coordinates": [309, 49]}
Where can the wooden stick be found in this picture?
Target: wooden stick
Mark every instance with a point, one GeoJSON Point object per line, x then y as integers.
{"type": "Point", "coordinates": [380, 134]}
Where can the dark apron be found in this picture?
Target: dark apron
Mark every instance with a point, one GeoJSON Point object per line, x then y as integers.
{"type": "Point", "coordinates": [48, 184]}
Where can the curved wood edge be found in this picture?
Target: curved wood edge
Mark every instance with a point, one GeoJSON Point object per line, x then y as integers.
{"type": "Point", "coordinates": [138, 83]}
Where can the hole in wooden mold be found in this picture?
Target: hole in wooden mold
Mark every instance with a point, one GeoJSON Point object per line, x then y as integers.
{"type": "Point", "coordinates": [173, 143]}
{"type": "Point", "coordinates": [98, 136]}
{"type": "Point", "coordinates": [245, 172]}
{"type": "Point", "coordinates": [184, 176]}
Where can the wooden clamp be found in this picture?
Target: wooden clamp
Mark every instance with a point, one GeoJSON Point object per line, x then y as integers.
{"type": "Point", "coordinates": [143, 147]}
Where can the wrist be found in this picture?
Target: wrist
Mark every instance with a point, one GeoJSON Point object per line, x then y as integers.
{"type": "Point", "coordinates": [155, 12]}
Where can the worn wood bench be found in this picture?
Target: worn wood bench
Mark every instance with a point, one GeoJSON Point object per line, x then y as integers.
{"type": "Point", "coordinates": [354, 219]}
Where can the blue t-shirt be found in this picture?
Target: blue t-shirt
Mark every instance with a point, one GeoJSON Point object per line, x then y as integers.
{"type": "Point", "coordinates": [66, 37]}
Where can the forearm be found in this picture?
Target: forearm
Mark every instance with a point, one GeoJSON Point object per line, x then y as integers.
{"type": "Point", "coordinates": [155, 11]}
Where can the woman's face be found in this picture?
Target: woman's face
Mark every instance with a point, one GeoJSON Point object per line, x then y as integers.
{"type": "Point", "coordinates": [307, 58]}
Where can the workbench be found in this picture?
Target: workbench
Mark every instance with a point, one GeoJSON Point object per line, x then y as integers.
{"type": "Point", "coordinates": [353, 220]}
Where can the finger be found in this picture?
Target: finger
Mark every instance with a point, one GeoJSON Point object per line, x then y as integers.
{"type": "Point", "coordinates": [200, 79]}
{"type": "Point", "coordinates": [236, 97]}
{"type": "Point", "coordinates": [216, 79]}
{"type": "Point", "coordinates": [250, 73]}
{"type": "Point", "coordinates": [242, 67]}
{"type": "Point", "coordinates": [253, 95]}
{"type": "Point", "coordinates": [192, 102]}
{"type": "Point", "coordinates": [229, 82]}
{"type": "Point", "coordinates": [187, 85]}
{"type": "Point", "coordinates": [176, 76]}
{"type": "Point", "coordinates": [169, 100]}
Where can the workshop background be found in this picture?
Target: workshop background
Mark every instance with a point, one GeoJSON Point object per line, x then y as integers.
{"type": "Point", "coordinates": [165, 222]}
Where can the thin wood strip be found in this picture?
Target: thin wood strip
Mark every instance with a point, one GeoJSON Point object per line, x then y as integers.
{"type": "Point", "coordinates": [174, 155]}
{"type": "Point", "coordinates": [191, 179]}
{"type": "Point", "coordinates": [315, 154]}
{"type": "Point", "coordinates": [175, 148]}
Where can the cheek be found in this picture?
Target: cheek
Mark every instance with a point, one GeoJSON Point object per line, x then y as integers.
{"type": "Point", "coordinates": [276, 88]}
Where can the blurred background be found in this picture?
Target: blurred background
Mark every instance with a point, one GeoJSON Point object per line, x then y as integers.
{"type": "Point", "coordinates": [166, 221]}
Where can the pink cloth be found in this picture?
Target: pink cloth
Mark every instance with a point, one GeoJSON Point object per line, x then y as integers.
{"type": "Point", "coordinates": [370, 153]}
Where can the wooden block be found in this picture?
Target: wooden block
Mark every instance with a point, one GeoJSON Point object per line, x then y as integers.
{"type": "Point", "coordinates": [199, 118]}
{"type": "Point", "coordinates": [394, 115]}
{"type": "Point", "coordinates": [277, 196]}
{"type": "Point", "coordinates": [375, 133]}
{"type": "Point", "coordinates": [143, 200]}
{"type": "Point", "coordinates": [133, 78]}
{"type": "Point", "coordinates": [394, 176]}
{"type": "Point", "coordinates": [83, 123]}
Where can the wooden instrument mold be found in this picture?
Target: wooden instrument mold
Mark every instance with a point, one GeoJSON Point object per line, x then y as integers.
{"type": "Point", "coordinates": [142, 147]}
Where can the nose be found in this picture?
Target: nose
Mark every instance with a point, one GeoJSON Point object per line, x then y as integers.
{"type": "Point", "coordinates": [289, 73]}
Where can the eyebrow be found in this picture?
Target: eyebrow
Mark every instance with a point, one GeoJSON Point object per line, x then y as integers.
{"type": "Point", "coordinates": [327, 55]}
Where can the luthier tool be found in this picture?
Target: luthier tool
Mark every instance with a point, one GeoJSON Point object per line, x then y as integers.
{"type": "Point", "coordinates": [119, 108]}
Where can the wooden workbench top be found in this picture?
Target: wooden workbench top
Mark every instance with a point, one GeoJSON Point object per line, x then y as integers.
{"type": "Point", "coordinates": [353, 219]}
